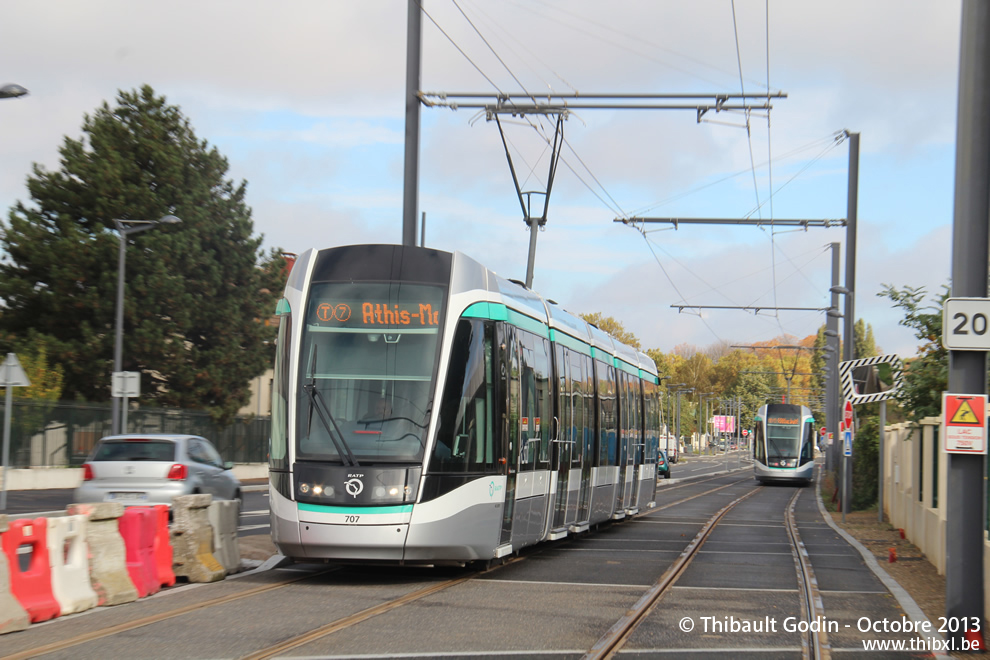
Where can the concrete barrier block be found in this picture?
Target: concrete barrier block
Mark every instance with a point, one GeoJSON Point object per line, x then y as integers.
{"type": "Point", "coordinates": [224, 516]}
{"type": "Point", "coordinates": [12, 615]}
{"type": "Point", "coordinates": [192, 540]}
{"type": "Point", "coordinates": [68, 555]}
{"type": "Point", "coordinates": [107, 554]}
{"type": "Point", "coordinates": [96, 511]}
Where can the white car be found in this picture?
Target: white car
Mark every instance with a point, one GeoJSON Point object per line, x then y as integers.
{"type": "Point", "coordinates": [149, 468]}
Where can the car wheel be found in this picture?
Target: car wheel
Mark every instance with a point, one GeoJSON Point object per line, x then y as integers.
{"type": "Point", "coordinates": [666, 475]}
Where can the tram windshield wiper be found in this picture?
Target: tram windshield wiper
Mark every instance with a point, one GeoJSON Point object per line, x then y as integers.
{"type": "Point", "coordinates": [317, 403]}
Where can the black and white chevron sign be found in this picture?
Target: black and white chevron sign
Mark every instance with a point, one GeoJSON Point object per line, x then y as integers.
{"type": "Point", "coordinates": [849, 387]}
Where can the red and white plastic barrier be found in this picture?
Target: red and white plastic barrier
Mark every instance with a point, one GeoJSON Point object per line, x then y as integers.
{"type": "Point", "coordinates": [137, 527]}
{"type": "Point", "coordinates": [12, 615]}
{"type": "Point", "coordinates": [33, 586]}
{"type": "Point", "coordinates": [68, 555]}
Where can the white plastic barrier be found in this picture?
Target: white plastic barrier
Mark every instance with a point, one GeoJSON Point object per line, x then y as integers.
{"type": "Point", "coordinates": [224, 517]}
{"type": "Point", "coordinates": [68, 556]}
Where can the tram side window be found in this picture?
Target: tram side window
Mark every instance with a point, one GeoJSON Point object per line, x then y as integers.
{"type": "Point", "coordinates": [535, 415]}
{"type": "Point", "coordinates": [607, 420]}
{"type": "Point", "coordinates": [588, 394]}
{"type": "Point", "coordinates": [277, 452]}
{"type": "Point", "coordinates": [759, 448]}
{"type": "Point", "coordinates": [579, 413]}
{"type": "Point", "coordinates": [638, 438]}
{"type": "Point", "coordinates": [465, 436]}
{"type": "Point", "coordinates": [808, 443]}
{"type": "Point", "coordinates": [652, 420]}
{"type": "Point", "coordinates": [630, 414]}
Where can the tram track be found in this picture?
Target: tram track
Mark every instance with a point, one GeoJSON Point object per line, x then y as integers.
{"type": "Point", "coordinates": [814, 642]}
{"type": "Point", "coordinates": [616, 636]}
{"type": "Point", "coordinates": [338, 624]}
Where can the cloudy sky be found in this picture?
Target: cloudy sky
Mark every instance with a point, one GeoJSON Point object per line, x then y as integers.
{"type": "Point", "coordinates": [306, 99]}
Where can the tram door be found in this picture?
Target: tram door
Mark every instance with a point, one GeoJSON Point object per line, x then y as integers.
{"type": "Point", "coordinates": [629, 414]}
{"type": "Point", "coordinates": [568, 456]}
{"type": "Point", "coordinates": [509, 425]}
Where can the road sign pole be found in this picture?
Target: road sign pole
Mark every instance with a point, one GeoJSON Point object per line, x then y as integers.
{"type": "Point", "coordinates": [7, 408]}
{"type": "Point", "coordinates": [11, 375]}
{"type": "Point", "coordinates": [964, 573]}
{"type": "Point", "coordinates": [880, 472]}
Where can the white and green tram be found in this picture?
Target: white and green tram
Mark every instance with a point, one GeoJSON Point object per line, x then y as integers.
{"type": "Point", "coordinates": [426, 410]}
{"type": "Point", "coordinates": [784, 443]}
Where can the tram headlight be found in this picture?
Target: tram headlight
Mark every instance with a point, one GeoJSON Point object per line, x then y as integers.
{"type": "Point", "coordinates": [317, 490]}
{"type": "Point", "coordinates": [392, 493]}
{"type": "Point", "coordinates": [304, 488]}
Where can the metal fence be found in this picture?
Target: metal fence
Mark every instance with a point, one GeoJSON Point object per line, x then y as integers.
{"type": "Point", "coordinates": [58, 434]}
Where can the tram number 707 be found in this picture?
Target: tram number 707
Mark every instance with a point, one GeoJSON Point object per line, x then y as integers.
{"type": "Point", "coordinates": [351, 519]}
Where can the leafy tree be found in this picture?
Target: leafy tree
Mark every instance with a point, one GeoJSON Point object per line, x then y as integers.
{"type": "Point", "coordinates": [612, 327]}
{"type": "Point", "coordinates": [927, 375]}
{"type": "Point", "coordinates": [46, 378]}
{"type": "Point", "coordinates": [864, 345]}
{"type": "Point", "coordinates": [195, 299]}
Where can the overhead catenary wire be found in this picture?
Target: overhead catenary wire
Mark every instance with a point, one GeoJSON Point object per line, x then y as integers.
{"type": "Point", "coordinates": [605, 197]}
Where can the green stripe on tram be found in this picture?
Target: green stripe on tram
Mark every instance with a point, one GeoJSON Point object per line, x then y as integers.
{"type": "Point", "coordinates": [485, 310]}
{"type": "Point", "coordinates": [628, 368]}
{"type": "Point", "coordinates": [558, 337]}
{"type": "Point", "coordinates": [499, 312]}
{"type": "Point", "coordinates": [356, 510]}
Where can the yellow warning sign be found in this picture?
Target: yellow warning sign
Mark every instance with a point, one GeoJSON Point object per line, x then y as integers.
{"type": "Point", "coordinates": [965, 414]}
{"type": "Point", "coordinates": [964, 423]}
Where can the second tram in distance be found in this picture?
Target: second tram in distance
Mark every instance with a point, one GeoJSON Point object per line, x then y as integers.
{"type": "Point", "coordinates": [784, 443]}
{"type": "Point", "coordinates": [426, 410]}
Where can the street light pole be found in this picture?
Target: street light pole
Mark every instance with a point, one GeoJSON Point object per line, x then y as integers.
{"type": "Point", "coordinates": [123, 231]}
{"type": "Point", "coordinates": [678, 437]}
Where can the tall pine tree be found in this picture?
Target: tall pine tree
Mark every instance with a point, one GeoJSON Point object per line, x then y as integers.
{"type": "Point", "coordinates": [197, 293]}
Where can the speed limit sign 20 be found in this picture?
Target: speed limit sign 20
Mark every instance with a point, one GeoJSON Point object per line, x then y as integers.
{"type": "Point", "coordinates": [966, 324]}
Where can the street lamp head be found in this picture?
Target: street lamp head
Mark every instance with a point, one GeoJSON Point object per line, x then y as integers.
{"type": "Point", "coordinates": [12, 91]}
{"type": "Point", "coordinates": [169, 220]}
{"type": "Point", "coordinates": [831, 333]}
{"type": "Point", "coordinates": [839, 289]}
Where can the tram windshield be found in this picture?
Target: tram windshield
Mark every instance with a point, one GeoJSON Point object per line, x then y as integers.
{"type": "Point", "coordinates": [784, 438]}
{"type": "Point", "coordinates": [366, 371]}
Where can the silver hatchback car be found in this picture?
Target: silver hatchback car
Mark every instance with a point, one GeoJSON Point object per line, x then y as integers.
{"type": "Point", "coordinates": [151, 468]}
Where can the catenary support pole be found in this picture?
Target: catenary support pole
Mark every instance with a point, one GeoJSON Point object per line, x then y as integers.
{"type": "Point", "coordinates": [848, 334]}
{"type": "Point", "coordinates": [964, 573]}
{"type": "Point", "coordinates": [832, 404]}
{"type": "Point", "coordinates": [410, 184]}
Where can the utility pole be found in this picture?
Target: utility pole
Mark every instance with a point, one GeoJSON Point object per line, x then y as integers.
{"type": "Point", "coordinates": [832, 404]}
{"type": "Point", "coordinates": [848, 334]}
{"type": "Point", "coordinates": [964, 573]}
{"type": "Point", "coordinates": [410, 180]}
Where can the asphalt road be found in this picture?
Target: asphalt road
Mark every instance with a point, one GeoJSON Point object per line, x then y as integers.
{"type": "Point", "coordinates": [254, 506]}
